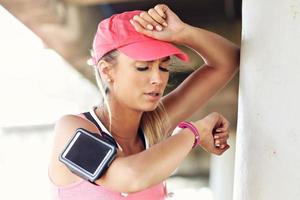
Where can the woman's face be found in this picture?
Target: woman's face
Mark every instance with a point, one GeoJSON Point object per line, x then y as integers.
{"type": "Point", "coordinates": [139, 84]}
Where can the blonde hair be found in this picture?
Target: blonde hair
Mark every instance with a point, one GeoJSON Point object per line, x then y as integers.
{"type": "Point", "coordinates": [154, 124]}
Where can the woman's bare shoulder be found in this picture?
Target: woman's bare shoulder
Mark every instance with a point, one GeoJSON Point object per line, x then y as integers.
{"type": "Point", "coordinates": [65, 128]}
{"type": "Point", "coordinates": [66, 125]}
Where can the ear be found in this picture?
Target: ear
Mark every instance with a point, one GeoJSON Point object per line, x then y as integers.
{"type": "Point", "coordinates": [105, 70]}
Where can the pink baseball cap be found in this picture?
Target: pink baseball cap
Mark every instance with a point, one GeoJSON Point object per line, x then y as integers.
{"type": "Point", "coordinates": [118, 33]}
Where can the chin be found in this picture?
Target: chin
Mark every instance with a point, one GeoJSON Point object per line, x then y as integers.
{"type": "Point", "coordinates": [149, 107]}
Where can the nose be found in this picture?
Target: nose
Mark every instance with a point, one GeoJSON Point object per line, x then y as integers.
{"type": "Point", "coordinates": [156, 78]}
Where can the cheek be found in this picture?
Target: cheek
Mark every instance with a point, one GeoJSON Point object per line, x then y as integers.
{"type": "Point", "coordinates": [133, 81]}
{"type": "Point", "coordinates": [129, 86]}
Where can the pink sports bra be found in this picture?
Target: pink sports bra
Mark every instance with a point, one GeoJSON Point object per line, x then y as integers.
{"type": "Point", "coordinates": [84, 190]}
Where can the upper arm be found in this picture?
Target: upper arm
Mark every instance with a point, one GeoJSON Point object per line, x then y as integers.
{"type": "Point", "coordinates": [194, 92]}
{"type": "Point", "coordinates": [65, 128]}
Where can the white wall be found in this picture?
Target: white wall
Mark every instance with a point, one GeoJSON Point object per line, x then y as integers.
{"type": "Point", "coordinates": [37, 85]}
{"type": "Point", "coordinates": [268, 137]}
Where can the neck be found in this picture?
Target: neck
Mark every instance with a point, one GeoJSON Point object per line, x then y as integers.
{"type": "Point", "coordinates": [124, 125]}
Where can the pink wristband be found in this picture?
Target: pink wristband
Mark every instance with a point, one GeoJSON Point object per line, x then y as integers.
{"type": "Point", "coordinates": [193, 129]}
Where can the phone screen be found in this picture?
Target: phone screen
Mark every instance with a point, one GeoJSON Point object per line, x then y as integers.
{"type": "Point", "coordinates": [87, 152]}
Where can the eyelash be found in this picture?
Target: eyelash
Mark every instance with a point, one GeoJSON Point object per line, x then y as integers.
{"type": "Point", "coordinates": [145, 68]}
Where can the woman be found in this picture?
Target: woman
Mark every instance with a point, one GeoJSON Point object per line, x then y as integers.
{"type": "Point", "coordinates": [131, 53]}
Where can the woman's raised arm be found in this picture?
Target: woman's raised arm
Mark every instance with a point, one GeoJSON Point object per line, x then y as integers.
{"type": "Point", "coordinates": [221, 59]}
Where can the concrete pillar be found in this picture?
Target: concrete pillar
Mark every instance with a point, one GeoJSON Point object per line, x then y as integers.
{"type": "Point", "coordinates": [268, 134]}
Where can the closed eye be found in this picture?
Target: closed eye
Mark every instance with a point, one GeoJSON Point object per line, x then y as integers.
{"type": "Point", "coordinates": [142, 68]}
{"type": "Point", "coordinates": [164, 69]}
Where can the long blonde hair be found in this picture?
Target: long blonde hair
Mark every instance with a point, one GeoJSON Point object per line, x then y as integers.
{"type": "Point", "coordinates": [154, 123]}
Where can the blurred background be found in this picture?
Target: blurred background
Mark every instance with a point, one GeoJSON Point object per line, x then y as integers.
{"type": "Point", "coordinates": [44, 48]}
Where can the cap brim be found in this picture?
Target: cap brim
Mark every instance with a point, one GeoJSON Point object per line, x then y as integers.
{"type": "Point", "coordinates": [152, 50]}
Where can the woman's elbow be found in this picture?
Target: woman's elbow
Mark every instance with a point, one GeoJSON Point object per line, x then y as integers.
{"type": "Point", "coordinates": [237, 57]}
{"type": "Point", "coordinates": [235, 61]}
{"type": "Point", "coordinates": [232, 65]}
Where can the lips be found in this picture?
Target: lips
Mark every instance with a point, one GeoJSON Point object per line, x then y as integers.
{"type": "Point", "coordinates": [153, 96]}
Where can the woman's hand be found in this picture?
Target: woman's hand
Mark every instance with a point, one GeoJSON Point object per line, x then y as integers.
{"type": "Point", "coordinates": [160, 23]}
{"type": "Point", "coordinates": [214, 133]}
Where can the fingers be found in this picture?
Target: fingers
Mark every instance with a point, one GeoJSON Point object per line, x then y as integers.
{"type": "Point", "coordinates": [221, 138]}
{"type": "Point", "coordinates": [224, 134]}
{"type": "Point", "coordinates": [221, 132]}
{"type": "Point", "coordinates": [217, 133]}
{"type": "Point", "coordinates": [143, 19]}
{"type": "Point", "coordinates": [222, 127]}
{"type": "Point", "coordinates": [139, 28]}
{"type": "Point", "coordinates": [221, 122]}
{"type": "Point", "coordinates": [219, 151]}
{"type": "Point", "coordinates": [221, 144]}
{"type": "Point", "coordinates": [221, 141]}
{"type": "Point", "coordinates": [161, 9]}
{"type": "Point", "coordinates": [224, 123]}
{"type": "Point", "coordinates": [157, 17]}
{"type": "Point", "coordinates": [154, 18]}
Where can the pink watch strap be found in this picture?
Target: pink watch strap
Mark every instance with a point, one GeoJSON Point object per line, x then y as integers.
{"type": "Point", "coordinates": [194, 130]}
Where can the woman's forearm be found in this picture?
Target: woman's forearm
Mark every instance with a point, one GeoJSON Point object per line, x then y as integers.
{"type": "Point", "coordinates": [157, 163]}
{"type": "Point", "coordinates": [149, 167]}
{"type": "Point", "coordinates": [215, 50]}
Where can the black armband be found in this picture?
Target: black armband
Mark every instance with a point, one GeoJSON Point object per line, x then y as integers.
{"type": "Point", "coordinates": [88, 155]}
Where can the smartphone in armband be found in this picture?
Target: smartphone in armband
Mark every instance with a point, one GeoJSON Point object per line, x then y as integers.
{"type": "Point", "coordinates": [88, 155]}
